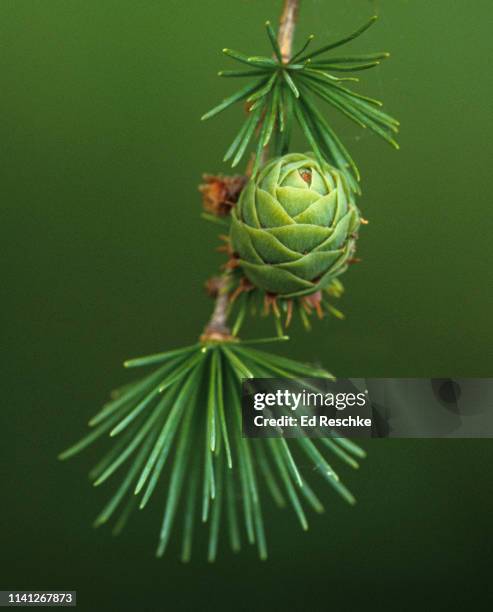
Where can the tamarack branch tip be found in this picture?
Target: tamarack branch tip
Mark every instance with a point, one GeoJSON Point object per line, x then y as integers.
{"type": "Point", "coordinates": [217, 328]}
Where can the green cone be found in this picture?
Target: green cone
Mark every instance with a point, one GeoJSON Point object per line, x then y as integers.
{"type": "Point", "coordinates": [295, 225]}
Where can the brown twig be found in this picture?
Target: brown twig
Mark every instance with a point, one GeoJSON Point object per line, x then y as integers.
{"type": "Point", "coordinates": [287, 25]}
{"type": "Point", "coordinates": [289, 17]}
{"type": "Point", "coordinates": [217, 328]}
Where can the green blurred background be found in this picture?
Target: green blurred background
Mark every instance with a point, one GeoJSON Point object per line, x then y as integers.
{"type": "Point", "coordinates": [104, 257]}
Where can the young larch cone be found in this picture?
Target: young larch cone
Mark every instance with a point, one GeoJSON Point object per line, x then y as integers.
{"type": "Point", "coordinates": [295, 226]}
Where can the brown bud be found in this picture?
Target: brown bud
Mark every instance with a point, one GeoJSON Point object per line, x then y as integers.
{"type": "Point", "coordinates": [212, 286]}
{"type": "Point", "coordinates": [220, 193]}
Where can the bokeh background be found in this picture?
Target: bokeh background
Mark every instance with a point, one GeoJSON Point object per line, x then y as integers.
{"type": "Point", "coordinates": [104, 256]}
